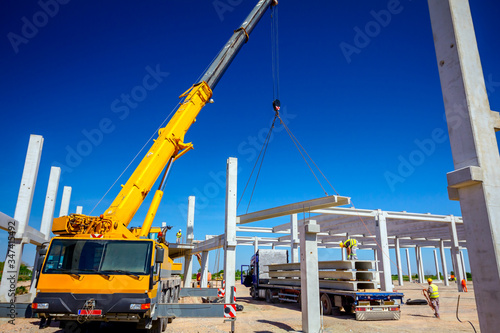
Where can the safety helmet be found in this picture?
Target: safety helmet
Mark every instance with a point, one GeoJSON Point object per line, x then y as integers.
{"type": "Point", "coordinates": [341, 244]}
{"type": "Point", "coordinates": [429, 280]}
{"type": "Point", "coordinates": [179, 230]}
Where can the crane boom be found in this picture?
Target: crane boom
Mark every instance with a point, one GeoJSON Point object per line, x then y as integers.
{"type": "Point", "coordinates": [169, 145]}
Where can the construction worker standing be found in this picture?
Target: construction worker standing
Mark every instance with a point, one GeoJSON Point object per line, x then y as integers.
{"type": "Point", "coordinates": [179, 236]}
{"type": "Point", "coordinates": [432, 291]}
{"type": "Point", "coordinates": [351, 245]}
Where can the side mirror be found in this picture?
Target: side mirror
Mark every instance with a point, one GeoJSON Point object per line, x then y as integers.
{"type": "Point", "coordinates": [160, 253]}
{"type": "Point", "coordinates": [43, 251]}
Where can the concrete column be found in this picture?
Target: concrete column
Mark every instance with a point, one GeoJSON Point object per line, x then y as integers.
{"type": "Point", "coordinates": [21, 215]}
{"type": "Point", "coordinates": [204, 270]}
{"type": "Point", "coordinates": [476, 179]}
{"type": "Point", "coordinates": [375, 257]}
{"type": "Point", "coordinates": [417, 257]}
{"type": "Point", "coordinates": [50, 202]}
{"type": "Point", "coordinates": [421, 274]}
{"type": "Point", "coordinates": [398, 261]}
{"type": "Point", "coordinates": [309, 277]}
{"type": "Point", "coordinates": [408, 264]}
{"type": "Point", "coordinates": [443, 263]}
{"type": "Point", "coordinates": [79, 209]}
{"type": "Point", "coordinates": [463, 264]}
{"type": "Point", "coordinates": [188, 260]}
{"type": "Point", "coordinates": [455, 255]}
{"type": "Point", "coordinates": [343, 252]}
{"type": "Point", "coordinates": [295, 238]}
{"type": "Point", "coordinates": [65, 201]}
{"type": "Point", "coordinates": [383, 251]}
{"type": "Point", "coordinates": [436, 262]}
{"type": "Point", "coordinates": [255, 244]}
{"type": "Point", "coordinates": [230, 229]}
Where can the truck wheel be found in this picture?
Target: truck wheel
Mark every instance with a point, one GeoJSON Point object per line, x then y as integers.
{"type": "Point", "coordinates": [326, 303]}
{"type": "Point", "coordinates": [269, 296]}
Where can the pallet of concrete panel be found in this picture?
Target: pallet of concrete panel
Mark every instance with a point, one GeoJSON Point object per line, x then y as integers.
{"type": "Point", "coordinates": [357, 265]}
{"type": "Point", "coordinates": [328, 284]}
{"type": "Point", "coordinates": [336, 275]}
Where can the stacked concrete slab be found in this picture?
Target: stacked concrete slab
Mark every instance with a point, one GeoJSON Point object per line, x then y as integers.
{"type": "Point", "coordinates": [338, 274]}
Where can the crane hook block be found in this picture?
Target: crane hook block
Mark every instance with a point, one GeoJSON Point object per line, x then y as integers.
{"type": "Point", "coordinates": [276, 105]}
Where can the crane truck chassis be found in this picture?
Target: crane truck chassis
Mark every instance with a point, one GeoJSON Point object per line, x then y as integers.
{"type": "Point", "coordinates": [264, 282]}
{"type": "Point", "coordinates": [96, 268]}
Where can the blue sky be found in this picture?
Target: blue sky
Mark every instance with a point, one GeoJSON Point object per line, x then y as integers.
{"type": "Point", "coordinates": [361, 115]}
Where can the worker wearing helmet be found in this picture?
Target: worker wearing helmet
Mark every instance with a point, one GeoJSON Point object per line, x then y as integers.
{"type": "Point", "coordinates": [179, 236]}
{"type": "Point", "coordinates": [432, 291]}
{"type": "Point", "coordinates": [351, 245]}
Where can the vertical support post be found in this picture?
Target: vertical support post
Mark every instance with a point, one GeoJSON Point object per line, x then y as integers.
{"type": "Point", "coordinates": [383, 250]}
{"type": "Point", "coordinates": [398, 261]}
{"type": "Point", "coordinates": [455, 255]}
{"type": "Point", "coordinates": [65, 201]}
{"type": "Point", "coordinates": [230, 229]}
{"type": "Point", "coordinates": [476, 181]}
{"type": "Point", "coordinates": [463, 265]}
{"type": "Point", "coordinates": [309, 277]}
{"type": "Point", "coordinates": [421, 274]}
{"type": "Point", "coordinates": [188, 260]}
{"type": "Point", "coordinates": [79, 209]}
{"type": "Point", "coordinates": [436, 262]}
{"type": "Point", "coordinates": [375, 257]}
{"type": "Point", "coordinates": [408, 265]}
{"type": "Point", "coordinates": [443, 263]}
{"type": "Point", "coordinates": [50, 202]}
{"type": "Point", "coordinates": [417, 257]}
{"type": "Point", "coordinates": [255, 244]}
{"type": "Point", "coordinates": [21, 215]}
{"type": "Point", "coordinates": [295, 238]}
{"type": "Point", "coordinates": [204, 269]}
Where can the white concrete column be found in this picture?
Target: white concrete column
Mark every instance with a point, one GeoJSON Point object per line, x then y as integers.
{"type": "Point", "coordinates": [79, 209]}
{"type": "Point", "coordinates": [309, 277]}
{"type": "Point", "coordinates": [65, 201]}
{"type": "Point", "coordinates": [343, 252]}
{"type": "Point", "coordinates": [417, 257]}
{"type": "Point", "coordinates": [230, 229]}
{"type": "Point", "coordinates": [463, 265]}
{"type": "Point", "coordinates": [443, 263]}
{"type": "Point", "coordinates": [21, 215]}
{"type": "Point", "coordinates": [204, 270]}
{"type": "Point", "coordinates": [50, 202]}
{"type": "Point", "coordinates": [476, 179]}
{"type": "Point", "coordinates": [383, 251]}
{"type": "Point", "coordinates": [375, 257]}
{"type": "Point", "coordinates": [398, 261]}
{"type": "Point", "coordinates": [455, 255]}
{"type": "Point", "coordinates": [436, 262]}
{"type": "Point", "coordinates": [408, 264]}
{"type": "Point", "coordinates": [255, 244]}
{"type": "Point", "coordinates": [188, 260]}
{"type": "Point", "coordinates": [421, 273]}
{"type": "Point", "coordinates": [294, 238]}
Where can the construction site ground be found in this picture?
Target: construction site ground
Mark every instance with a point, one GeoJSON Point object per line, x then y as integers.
{"type": "Point", "coordinates": [259, 316]}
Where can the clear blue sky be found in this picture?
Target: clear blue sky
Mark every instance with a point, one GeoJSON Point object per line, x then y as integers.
{"type": "Point", "coordinates": [358, 115]}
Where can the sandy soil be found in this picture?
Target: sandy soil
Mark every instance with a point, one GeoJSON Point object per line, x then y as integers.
{"type": "Point", "coordinates": [259, 316]}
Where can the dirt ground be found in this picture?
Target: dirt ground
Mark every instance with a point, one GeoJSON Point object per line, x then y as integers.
{"type": "Point", "coordinates": [259, 316]}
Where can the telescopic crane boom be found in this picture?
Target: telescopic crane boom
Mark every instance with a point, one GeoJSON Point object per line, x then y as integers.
{"type": "Point", "coordinates": [167, 148]}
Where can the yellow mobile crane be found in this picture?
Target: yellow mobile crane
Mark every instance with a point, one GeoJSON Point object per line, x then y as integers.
{"type": "Point", "coordinates": [96, 268]}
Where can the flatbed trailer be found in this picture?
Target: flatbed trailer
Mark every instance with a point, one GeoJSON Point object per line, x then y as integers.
{"type": "Point", "coordinates": [366, 304]}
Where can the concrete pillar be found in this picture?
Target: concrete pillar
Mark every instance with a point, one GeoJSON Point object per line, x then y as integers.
{"type": "Point", "coordinates": [476, 181]}
{"type": "Point", "coordinates": [443, 263]}
{"type": "Point", "coordinates": [375, 257]}
{"type": "Point", "coordinates": [343, 252]}
{"type": "Point", "coordinates": [230, 229]}
{"type": "Point", "coordinates": [421, 274]}
{"type": "Point", "coordinates": [309, 277]}
{"type": "Point", "coordinates": [65, 201]}
{"type": "Point", "coordinates": [204, 270]}
{"type": "Point", "coordinates": [408, 264]}
{"type": "Point", "coordinates": [437, 266]}
{"type": "Point", "coordinates": [255, 244]}
{"type": "Point", "coordinates": [188, 260]}
{"type": "Point", "coordinates": [79, 209]}
{"type": "Point", "coordinates": [383, 251]}
{"type": "Point", "coordinates": [398, 261]}
{"type": "Point", "coordinates": [417, 257]}
{"type": "Point", "coordinates": [455, 255]}
{"type": "Point", "coordinates": [21, 215]}
{"type": "Point", "coordinates": [50, 202]}
{"type": "Point", "coordinates": [463, 264]}
{"type": "Point", "coordinates": [295, 238]}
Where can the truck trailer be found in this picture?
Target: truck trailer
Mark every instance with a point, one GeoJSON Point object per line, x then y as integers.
{"type": "Point", "coordinates": [345, 285]}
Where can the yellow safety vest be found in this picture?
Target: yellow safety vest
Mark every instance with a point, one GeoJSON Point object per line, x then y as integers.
{"type": "Point", "coordinates": [352, 242]}
{"type": "Point", "coordinates": [434, 293]}
{"type": "Point", "coordinates": [179, 235]}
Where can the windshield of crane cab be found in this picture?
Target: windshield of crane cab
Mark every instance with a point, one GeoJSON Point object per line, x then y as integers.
{"type": "Point", "coordinates": [78, 256]}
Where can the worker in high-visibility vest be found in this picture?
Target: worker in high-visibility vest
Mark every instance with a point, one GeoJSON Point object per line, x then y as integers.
{"type": "Point", "coordinates": [351, 245]}
{"type": "Point", "coordinates": [433, 293]}
{"type": "Point", "coordinates": [179, 236]}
